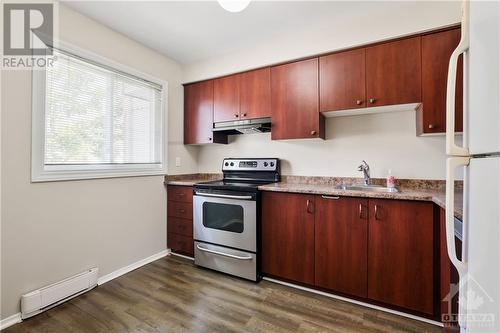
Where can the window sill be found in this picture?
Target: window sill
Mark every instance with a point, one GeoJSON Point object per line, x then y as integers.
{"type": "Point", "coordinates": [89, 175]}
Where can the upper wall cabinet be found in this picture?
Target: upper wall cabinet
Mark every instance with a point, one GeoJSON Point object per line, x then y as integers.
{"type": "Point", "coordinates": [436, 52]}
{"type": "Point", "coordinates": [342, 80]}
{"type": "Point", "coordinates": [243, 96]}
{"type": "Point", "coordinates": [294, 95]}
{"type": "Point", "coordinates": [255, 94]}
{"type": "Point", "coordinates": [294, 101]}
{"type": "Point", "coordinates": [198, 114]}
{"type": "Point", "coordinates": [227, 98]}
{"type": "Point", "coordinates": [394, 72]}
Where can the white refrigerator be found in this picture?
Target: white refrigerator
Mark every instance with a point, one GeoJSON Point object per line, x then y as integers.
{"type": "Point", "coordinates": [478, 156]}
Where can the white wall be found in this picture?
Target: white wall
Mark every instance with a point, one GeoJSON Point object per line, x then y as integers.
{"type": "Point", "coordinates": [384, 140]}
{"type": "Point", "coordinates": [50, 231]}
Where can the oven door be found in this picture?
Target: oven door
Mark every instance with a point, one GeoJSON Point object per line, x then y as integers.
{"type": "Point", "coordinates": [227, 220]}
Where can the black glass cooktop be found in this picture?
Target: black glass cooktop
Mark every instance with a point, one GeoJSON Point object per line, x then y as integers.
{"type": "Point", "coordinates": [232, 185]}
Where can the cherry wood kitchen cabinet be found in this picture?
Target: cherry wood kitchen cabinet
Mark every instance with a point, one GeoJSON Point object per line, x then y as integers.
{"type": "Point", "coordinates": [180, 219]}
{"type": "Point", "coordinates": [198, 114]}
{"type": "Point", "coordinates": [436, 51]}
{"type": "Point", "coordinates": [227, 98]}
{"type": "Point", "coordinates": [341, 240]}
{"type": "Point", "coordinates": [288, 236]}
{"type": "Point", "coordinates": [295, 101]}
{"type": "Point", "coordinates": [255, 94]}
{"type": "Point", "coordinates": [342, 80]}
{"type": "Point", "coordinates": [394, 72]}
{"type": "Point", "coordinates": [401, 254]}
{"type": "Point", "coordinates": [448, 275]}
{"type": "Point", "coordinates": [243, 96]}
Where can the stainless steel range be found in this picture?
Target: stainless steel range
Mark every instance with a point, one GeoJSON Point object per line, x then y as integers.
{"type": "Point", "coordinates": [227, 216]}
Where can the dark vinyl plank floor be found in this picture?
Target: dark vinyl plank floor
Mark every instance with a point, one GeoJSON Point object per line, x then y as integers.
{"type": "Point", "coordinates": [171, 295]}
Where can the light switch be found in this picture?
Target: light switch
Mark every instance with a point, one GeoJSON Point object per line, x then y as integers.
{"type": "Point", "coordinates": [177, 161]}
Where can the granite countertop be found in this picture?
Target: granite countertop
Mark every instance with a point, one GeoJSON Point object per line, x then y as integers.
{"type": "Point", "coordinates": [191, 179]}
{"type": "Point", "coordinates": [421, 190]}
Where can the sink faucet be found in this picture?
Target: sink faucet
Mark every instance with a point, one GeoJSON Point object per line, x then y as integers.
{"type": "Point", "coordinates": [365, 168]}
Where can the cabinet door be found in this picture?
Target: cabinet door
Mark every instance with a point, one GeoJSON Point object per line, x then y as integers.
{"type": "Point", "coordinates": [288, 236]}
{"type": "Point", "coordinates": [394, 72]}
{"type": "Point", "coordinates": [342, 80]}
{"type": "Point", "coordinates": [255, 94]}
{"type": "Point", "coordinates": [401, 254]}
{"type": "Point", "coordinates": [295, 101]}
{"type": "Point", "coordinates": [436, 52]}
{"type": "Point", "coordinates": [198, 114]}
{"type": "Point", "coordinates": [227, 98]}
{"type": "Point", "coordinates": [341, 237]}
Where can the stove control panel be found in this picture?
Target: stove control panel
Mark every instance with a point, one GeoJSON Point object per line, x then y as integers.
{"type": "Point", "coordinates": [254, 164]}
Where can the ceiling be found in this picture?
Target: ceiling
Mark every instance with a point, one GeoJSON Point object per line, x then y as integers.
{"type": "Point", "coordinates": [191, 31]}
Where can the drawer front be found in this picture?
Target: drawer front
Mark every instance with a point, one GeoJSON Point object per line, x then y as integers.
{"type": "Point", "coordinates": [180, 193]}
{"type": "Point", "coordinates": [180, 226]}
{"type": "Point", "coordinates": [180, 244]}
{"type": "Point", "coordinates": [223, 259]}
{"type": "Point", "coordinates": [180, 209]}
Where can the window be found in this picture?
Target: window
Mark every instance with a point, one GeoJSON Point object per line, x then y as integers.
{"type": "Point", "coordinates": [93, 120]}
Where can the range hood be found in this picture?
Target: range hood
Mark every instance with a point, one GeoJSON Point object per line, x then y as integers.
{"type": "Point", "coordinates": [246, 126]}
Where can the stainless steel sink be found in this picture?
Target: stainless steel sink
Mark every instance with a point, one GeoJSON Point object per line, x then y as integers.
{"type": "Point", "coordinates": [367, 188]}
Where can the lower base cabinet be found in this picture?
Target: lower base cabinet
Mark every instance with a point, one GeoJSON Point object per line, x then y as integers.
{"type": "Point", "coordinates": [180, 219]}
{"type": "Point", "coordinates": [401, 254]}
{"type": "Point", "coordinates": [380, 250]}
{"type": "Point", "coordinates": [341, 237]}
{"type": "Point", "coordinates": [288, 236]}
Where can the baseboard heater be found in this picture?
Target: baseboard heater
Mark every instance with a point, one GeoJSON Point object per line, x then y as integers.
{"type": "Point", "coordinates": [47, 297]}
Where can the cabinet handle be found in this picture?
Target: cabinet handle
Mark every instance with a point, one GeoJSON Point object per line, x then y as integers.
{"type": "Point", "coordinates": [372, 100]}
{"type": "Point", "coordinates": [308, 204]}
{"type": "Point", "coordinates": [182, 210]}
{"type": "Point", "coordinates": [209, 139]}
{"type": "Point", "coordinates": [376, 212]}
{"type": "Point", "coordinates": [359, 102]}
{"type": "Point", "coordinates": [360, 211]}
{"type": "Point", "coordinates": [313, 132]}
{"type": "Point", "coordinates": [330, 197]}
{"type": "Point", "coordinates": [244, 114]}
{"type": "Point", "coordinates": [236, 116]}
{"type": "Point", "coordinates": [432, 126]}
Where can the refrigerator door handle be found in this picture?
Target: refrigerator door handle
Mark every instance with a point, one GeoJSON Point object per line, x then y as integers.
{"type": "Point", "coordinates": [451, 164]}
{"type": "Point", "coordinates": [463, 46]}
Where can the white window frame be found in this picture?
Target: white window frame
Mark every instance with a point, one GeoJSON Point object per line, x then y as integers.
{"type": "Point", "coordinates": [43, 173]}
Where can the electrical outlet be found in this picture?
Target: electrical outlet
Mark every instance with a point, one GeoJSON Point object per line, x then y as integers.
{"type": "Point", "coordinates": [177, 161]}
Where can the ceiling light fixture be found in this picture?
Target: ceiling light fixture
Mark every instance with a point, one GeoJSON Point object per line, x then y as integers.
{"type": "Point", "coordinates": [234, 6]}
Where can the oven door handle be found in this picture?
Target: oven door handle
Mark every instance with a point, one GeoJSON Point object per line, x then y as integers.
{"type": "Point", "coordinates": [225, 196]}
{"type": "Point", "coordinates": [223, 254]}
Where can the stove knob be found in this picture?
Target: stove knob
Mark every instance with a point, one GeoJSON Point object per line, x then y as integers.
{"type": "Point", "coordinates": [226, 164]}
{"type": "Point", "coordinates": [265, 164]}
{"type": "Point", "coordinates": [272, 164]}
{"type": "Point", "coordinates": [232, 164]}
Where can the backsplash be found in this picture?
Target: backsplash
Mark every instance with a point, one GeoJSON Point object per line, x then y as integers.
{"type": "Point", "coordinates": [385, 141]}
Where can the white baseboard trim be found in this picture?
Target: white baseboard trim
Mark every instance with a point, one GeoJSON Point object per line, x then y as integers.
{"type": "Point", "coordinates": [345, 299]}
{"type": "Point", "coordinates": [124, 270]}
{"type": "Point", "coordinates": [181, 256]}
{"type": "Point", "coordinates": [9, 321]}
